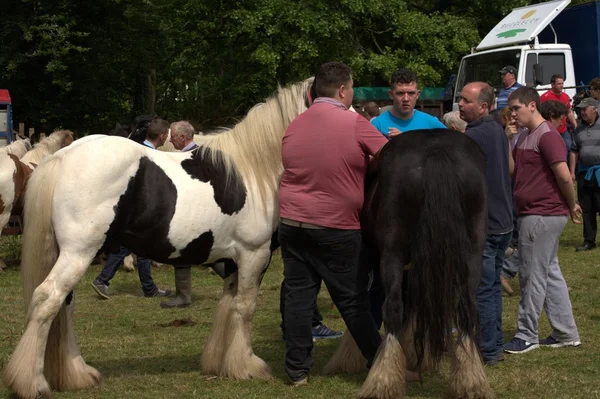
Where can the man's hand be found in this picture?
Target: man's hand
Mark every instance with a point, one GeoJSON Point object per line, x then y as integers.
{"type": "Point", "coordinates": [576, 214]}
{"type": "Point", "coordinates": [573, 177]}
{"type": "Point", "coordinates": [392, 131]}
{"type": "Point", "coordinates": [511, 129]}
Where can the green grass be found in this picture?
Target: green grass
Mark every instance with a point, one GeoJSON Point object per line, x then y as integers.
{"type": "Point", "coordinates": [139, 358]}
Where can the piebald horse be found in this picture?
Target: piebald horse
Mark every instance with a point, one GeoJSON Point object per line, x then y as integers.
{"type": "Point", "coordinates": [216, 202]}
{"type": "Point", "coordinates": [14, 172]}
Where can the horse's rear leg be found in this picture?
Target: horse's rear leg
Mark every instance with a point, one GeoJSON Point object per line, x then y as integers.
{"type": "Point", "coordinates": [240, 362]}
{"type": "Point", "coordinates": [408, 344]}
{"type": "Point", "coordinates": [216, 344]}
{"type": "Point", "coordinates": [467, 376]}
{"type": "Point", "coordinates": [47, 349]}
{"type": "Point", "coordinates": [387, 377]}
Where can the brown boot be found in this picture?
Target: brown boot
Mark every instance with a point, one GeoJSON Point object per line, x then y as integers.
{"type": "Point", "coordinates": [183, 290]}
{"type": "Point", "coordinates": [506, 286]}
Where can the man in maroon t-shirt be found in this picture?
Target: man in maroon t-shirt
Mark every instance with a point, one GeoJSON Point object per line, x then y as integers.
{"type": "Point", "coordinates": [544, 198]}
{"type": "Point", "coordinates": [325, 153]}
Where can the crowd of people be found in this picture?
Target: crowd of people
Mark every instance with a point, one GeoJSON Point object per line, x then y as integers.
{"type": "Point", "coordinates": [535, 150]}
{"type": "Point", "coordinates": [531, 196]}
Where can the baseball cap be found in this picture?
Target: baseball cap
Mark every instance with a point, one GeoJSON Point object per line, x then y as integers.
{"type": "Point", "coordinates": [509, 69]}
{"type": "Point", "coordinates": [587, 102]}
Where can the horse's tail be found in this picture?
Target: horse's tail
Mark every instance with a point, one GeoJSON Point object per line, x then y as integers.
{"type": "Point", "coordinates": [39, 249]}
{"type": "Point", "coordinates": [438, 287]}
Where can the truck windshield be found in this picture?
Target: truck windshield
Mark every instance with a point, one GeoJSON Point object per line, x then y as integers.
{"type": "Point", "coordinates": [485, 68]}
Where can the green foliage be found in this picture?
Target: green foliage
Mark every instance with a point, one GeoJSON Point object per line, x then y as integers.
{"type": "Point", "coordinates": [87, 64]}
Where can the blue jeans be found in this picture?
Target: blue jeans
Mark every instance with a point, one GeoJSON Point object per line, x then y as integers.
{"type": "Point", "coordinates": [116, 260]}
{"type": "Point", "coordinates": [489, 297]}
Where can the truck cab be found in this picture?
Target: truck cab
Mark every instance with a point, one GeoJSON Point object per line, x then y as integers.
{"type": "Point", "coordinates": [514, 41]}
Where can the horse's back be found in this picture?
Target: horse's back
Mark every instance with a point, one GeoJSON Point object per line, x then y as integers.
{"type": "Point", "coordinates": [175, 208]}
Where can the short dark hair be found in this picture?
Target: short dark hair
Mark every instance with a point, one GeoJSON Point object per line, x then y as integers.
{"type": "Point", "coordinates": [525, 95]}
{"type": "Point", "coordinates": [486, 95]}
{"type": "Point", "coordinates": [554, 77]}
{"type": "Point", "coordinates": [330, 77]}
{"type": "Point", "coordinates": [156, 128]}
{"type": "Point", "coordinates": [595, 83]}
{"type": "Point", "coordinates": [553, 109]}
{"type": "Point", "coordinates": [403, 75]}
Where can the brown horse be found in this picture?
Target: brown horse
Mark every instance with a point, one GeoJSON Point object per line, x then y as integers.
{"type": "Point", "coordinates": [14, 173]}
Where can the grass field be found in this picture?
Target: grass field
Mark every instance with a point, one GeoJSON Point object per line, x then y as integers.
{"type": "Point", "coordinates": [128, 338]}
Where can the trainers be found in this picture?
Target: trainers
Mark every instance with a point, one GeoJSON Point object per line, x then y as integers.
{"type": "Point", "coordinates": [300, 382]}
{"type": "Point", "coordinates": [323, 332]}
{"type": "Point", "coordinates": [551, 342]}
{"type": "Point", "coordinates": [518, 345]}
{"type": "Point", "coordinates": [159, 293]}
{"type": "Point", "coordinates": [500, 356]}
{"type": "Point", "coordinates": [101, 289]}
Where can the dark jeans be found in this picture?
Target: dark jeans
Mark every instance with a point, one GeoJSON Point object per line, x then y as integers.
{"type": "Point", "coordinates": [332, 256]}
{"type": "Point", "coordinates": [317, 318]}
{"type": "Point", "coordinates": [116, 260]}
{"type": "Point", "coordinates": [588, 194]}
{"type": "Point", "coordinates": [489, 297]}
{"type": "Point", "coordinates": [566, 136]}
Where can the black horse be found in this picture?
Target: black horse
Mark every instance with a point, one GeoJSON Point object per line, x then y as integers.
{"type": "Point", "coordinates": [136, 130]}
{"type": "Point", "coordinates": [424, 218]}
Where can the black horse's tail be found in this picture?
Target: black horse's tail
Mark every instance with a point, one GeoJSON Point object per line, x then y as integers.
{"type": "Point", "coordinates": [438, 286]}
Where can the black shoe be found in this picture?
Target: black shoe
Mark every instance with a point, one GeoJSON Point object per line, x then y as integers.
{"type": "Point", "coordinates": [585, 247]}
{"type": "Point", "coordinates": [101, 289]}
{"type": "Point", "coordinates": [159, 293]}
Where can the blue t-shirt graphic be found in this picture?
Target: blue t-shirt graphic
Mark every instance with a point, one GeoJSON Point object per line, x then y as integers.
{"type": "Point", "coordinates": [419, 120]}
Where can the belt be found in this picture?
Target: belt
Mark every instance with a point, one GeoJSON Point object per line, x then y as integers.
{"type": "Point", "coordinates": [302, 225]}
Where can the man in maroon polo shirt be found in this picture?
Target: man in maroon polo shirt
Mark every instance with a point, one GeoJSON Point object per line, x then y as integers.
{"type": "Point", "coordinates": [545, 199]}
{"type": "Point", "coordinates": [325, 154]}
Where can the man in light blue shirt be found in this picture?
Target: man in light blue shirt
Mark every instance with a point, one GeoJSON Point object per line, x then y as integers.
{"type": "Point", "coordinates": [403, 116]}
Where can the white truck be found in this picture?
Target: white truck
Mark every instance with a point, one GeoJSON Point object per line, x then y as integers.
{"type": "Point", "coordinates": [527, 40]}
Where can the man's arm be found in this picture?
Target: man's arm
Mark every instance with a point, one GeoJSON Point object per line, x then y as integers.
{"type": "Point", "coordinates": [573, 158]}
{"type": "Point", "coordinates": [511, 161]}
{"type": "Point", "coordinates": [571, 117]}
{"type": "Point", "coordinates": [565, 183]}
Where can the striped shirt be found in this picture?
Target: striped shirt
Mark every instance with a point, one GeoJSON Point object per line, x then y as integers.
{"type": "Point", "coordinates": [502, 101]}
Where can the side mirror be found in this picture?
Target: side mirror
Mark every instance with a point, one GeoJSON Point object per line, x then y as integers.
{"type": "Point", "coordinates": [538, 74]}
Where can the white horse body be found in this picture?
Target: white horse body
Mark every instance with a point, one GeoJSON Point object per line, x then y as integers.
{"type": "Point", "coordinates": [218, 201]}
{"type": "Point", "coordinates": [250, 228]}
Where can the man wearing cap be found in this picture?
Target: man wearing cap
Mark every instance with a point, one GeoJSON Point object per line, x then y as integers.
{"type": "Point", "coordinates": [508, 74]}
{"type": "Point", "coordinates": [585, 156]}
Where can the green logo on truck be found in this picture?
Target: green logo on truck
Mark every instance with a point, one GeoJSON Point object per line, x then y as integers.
{"type": "Point", "coordinates": [510, 33]}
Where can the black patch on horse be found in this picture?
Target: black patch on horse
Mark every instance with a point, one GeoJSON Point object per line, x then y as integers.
{"type": "Point", "coordinates": [199, 248]}
{"type": "Point", "coordinates": [143, 215]}
{"type": "Point", "coordinates": [230, 192]}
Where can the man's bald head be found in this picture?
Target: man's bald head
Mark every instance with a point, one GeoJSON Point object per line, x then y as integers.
{"type": "Point", "coordinates": [476, 101]}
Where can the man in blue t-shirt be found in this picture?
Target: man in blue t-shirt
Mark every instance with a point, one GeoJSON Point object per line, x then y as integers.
{"type": "Point", "coordinates": [403, 116]}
